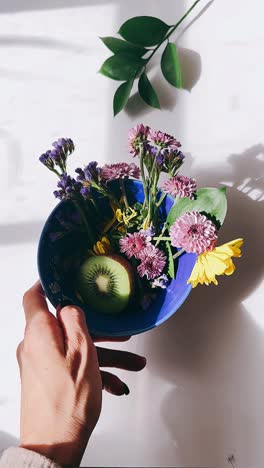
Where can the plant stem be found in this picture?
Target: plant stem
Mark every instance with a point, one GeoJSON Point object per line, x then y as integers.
{"type": "Point", "coordinates": [153, 181]}
{"type": "Point", "coordinates": [123, 190]}
{"type": "Point", "coordinates": [161, 234]}
{"type": "Point", "coordinates": [178, 253]}
{"type": "Point", "coordinates": [143, 175]}
{"type": "Point", "coordinates": [172, 30]}
{"type": "Point", "coordinates": [84, 220]}
{"type": "Point", "coordinates": [105, 193]}
{"type": "Point", "coordinates": [161, 199]}
{"type": "Point", "coordinates": [154, 197]}
{"type": "Point", "coordinates": [162, 238]}
{"type": "Point", "coordinates": [154, 165]}
{"type": "Point", "coordinates": [56, 172]}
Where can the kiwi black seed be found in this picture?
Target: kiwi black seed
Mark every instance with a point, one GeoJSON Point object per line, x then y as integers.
{"type": "Point", "coordinates": [105, 282]}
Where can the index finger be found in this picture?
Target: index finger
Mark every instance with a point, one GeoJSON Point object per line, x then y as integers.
{"type": "Point", "coordinates": [34, 302]}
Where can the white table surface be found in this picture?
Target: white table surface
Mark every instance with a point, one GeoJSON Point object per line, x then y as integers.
{"type": "Point", "coordinates": [200, 399]}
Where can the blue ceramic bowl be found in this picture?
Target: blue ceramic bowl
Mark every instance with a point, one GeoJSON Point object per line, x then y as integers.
{"type": "Point", "coordinates": [57, 254]}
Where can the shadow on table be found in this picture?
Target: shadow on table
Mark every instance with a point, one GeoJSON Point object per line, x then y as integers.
{"type": "Point", "coordinates": [20, 233]}
{"type": "Point", "coordinates": [125, 448]}
{"type": "Point", "coordinates": [7, 440]}
{"type": "Point", "coordinates": [212, 350]}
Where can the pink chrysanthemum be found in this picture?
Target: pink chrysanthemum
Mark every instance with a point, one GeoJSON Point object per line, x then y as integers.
{"type": "Point", "coordinates": [180, 186]}
{"type": "Point", "coordinates": [133, 244]}
{"type": "Point", "coordinates": [136, 136]}
{"type": "Point", "coordinates": [119, 171]}
{"type": "Point", "coordinates": [193, 232]}
{"type": "Point", "coordinates": [164, 140]}
{"type": "Point", "coordinates": [152, 263]}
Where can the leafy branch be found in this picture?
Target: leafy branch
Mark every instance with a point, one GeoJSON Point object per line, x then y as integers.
{"type": "Point", "coordinates": [142, 37]}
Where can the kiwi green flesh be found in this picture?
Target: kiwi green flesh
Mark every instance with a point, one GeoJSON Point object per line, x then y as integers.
{"type": "Point", "coordinates": [105, 283]}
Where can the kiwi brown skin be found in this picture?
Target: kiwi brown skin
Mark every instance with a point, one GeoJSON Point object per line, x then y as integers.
{"type": "Point", "coordinates": [101, 305]}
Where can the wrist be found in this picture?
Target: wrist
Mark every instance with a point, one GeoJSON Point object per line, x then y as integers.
{"type": "Point", "coordinates": [66, 455]}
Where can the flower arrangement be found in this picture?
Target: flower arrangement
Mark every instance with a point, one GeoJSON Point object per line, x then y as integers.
{"type": "Point", "coordinates": [132, 248]}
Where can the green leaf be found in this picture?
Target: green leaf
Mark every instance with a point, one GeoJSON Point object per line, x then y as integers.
{"type": "Point", "coordinates": [170, 65]}
{"type": "Point", "coordinates": [122, 95]}
{"type": "Point", "coordinates": [147, 92]}
{"type": "Point", "coordinates": [122, 66]}
{"type": "Point", "coordinates": [118, 45]}
{"type": "Point", "coordinates": [144, 30]}
{"type": "Point", "coordinates": [212, 201]}
{"type": "Point", "coordinates": [171, 269]}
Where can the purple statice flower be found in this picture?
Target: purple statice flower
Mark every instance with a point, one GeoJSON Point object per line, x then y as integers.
{"type": "Point", "coordinates": [152, 150]}
{"type": "Point", "coordinates": [193, 232]}
{"type": "Point", "coordinates": [160, 282]}
{"type": "Point", "coordinates": [88, 173]}
{"type": "Point", "coordinates": [64, 144]}
{"type": "Point", "coordinates": [163, 140]}
{"type": "Point", "coordinates": [81, 175]}
{"type": "Point", "coordinates": [137, 136]}
{"type": "Point", "coordinates": [85, 192]}
{"type": "Point", "coordinates": [160, 159]}
{"type": "Point", "coordinates": [62, 148]}
{"type": "Point", "coordinates": [92, 169]}
{"type": "Point", "coordinates": [47, 160]}
{"type": "Point", "coordinates": [153, 261]}
{"type": "Point", "coordinates": [171, 160]}
{"type": "Point", "coordinates": [149, 232]}
{"type": "Point", "coordinates": [151, 153]}
{"type": "Point", "coordinates": [68, 188]}
{"type": "Point", "coordinates": [86, 176]}
{"type": "Point", "coordinates": [180, 186]}
{"type": "Point", "coordinates": [132, 244]}
{"type": "Point", "coordinates": [119, 171]}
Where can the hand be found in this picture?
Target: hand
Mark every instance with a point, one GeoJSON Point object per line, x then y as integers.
{"type": "Point", "coordinates": [61, 384]}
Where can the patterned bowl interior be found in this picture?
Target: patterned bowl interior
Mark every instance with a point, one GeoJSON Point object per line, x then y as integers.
{"type": "Point", "coordinates": [59, 245]}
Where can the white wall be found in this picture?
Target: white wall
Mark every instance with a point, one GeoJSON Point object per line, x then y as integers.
{"type": "Point", "coordinates": [200, 399]}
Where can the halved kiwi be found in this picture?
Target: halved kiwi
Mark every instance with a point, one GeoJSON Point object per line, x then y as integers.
{"type": "Point", "coordinates": [105, 282]}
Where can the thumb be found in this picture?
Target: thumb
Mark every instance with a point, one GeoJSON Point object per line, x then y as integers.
{"type": "Point", "coordinates": [73, 323]}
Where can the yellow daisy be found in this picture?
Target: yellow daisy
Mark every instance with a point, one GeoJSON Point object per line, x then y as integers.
{"type": "Point", "coordinates": [215, 262]}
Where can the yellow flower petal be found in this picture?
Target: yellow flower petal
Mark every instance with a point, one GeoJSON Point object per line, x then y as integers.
{"type": "Point", "coordinates": [215, 262]}
{"type": "Point", "coordinates": [230, 268]}
{"type": "Point", "coordinates": [105, 241]}
{"type": "Point", "coordinates": [231, 248]}
{"type": "Point", "coordinates": [102, 247]}
{"type": "Point", "coordinates": [128, 215]}
{"type": "Point", "coordinates": [119, 215]}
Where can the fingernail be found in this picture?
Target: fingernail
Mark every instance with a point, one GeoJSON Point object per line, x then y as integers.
{"type": "Point", "coordinates": [126, 391]}
{"type": "Point", "coordinates": [144, 360]}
